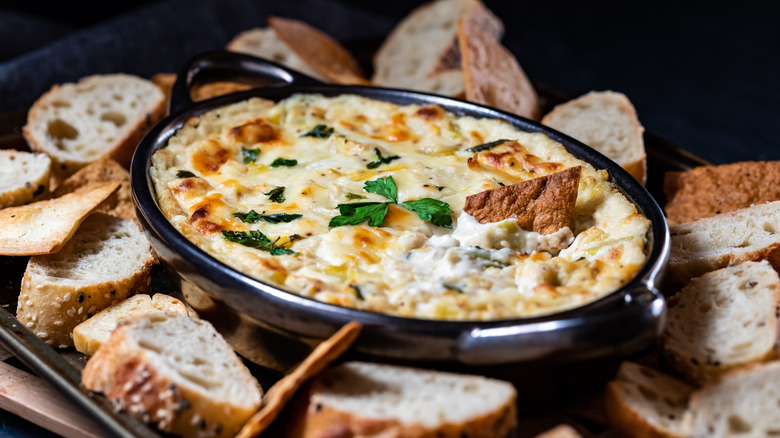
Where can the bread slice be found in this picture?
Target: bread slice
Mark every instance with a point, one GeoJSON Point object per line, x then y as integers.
{"type": "Point", "coordinates": [264, 43]}
{"type": "Point", "coordinates": [106, 260]}
{"type": "Point", "coordinates": [742, 403]}
{"type": "Point", "coordinates": [76, 124]}
{"type": "Point", "coordinates": [562, 431]}
{"type": "Point", "coordinates": [43, 227]}
{"type": "Point", "coordinates": [362, 399]}
{"type": "Point", "coordinates": [707, 191]}
{"type": "Point", "coordinates": [607, 122]}
{"type": "Point", "coordinates": [424, 45]}
{"type": "Point", "coordinates": [24, 177]}
{"type": "Point", "coordinates": [91, 334]}
{"type": "Point", "coordinates": [643, 402]}
{"type": "Point", "coordinates": [103, 170]}
{"type": "Point", "coordinates": [176, 372]}
{"type": "Point", "coordinates": [491, 74]}
{"type": "Point", "coordinates": [722, 320]}
{"type": "Point", "coordinates": [712, 243]}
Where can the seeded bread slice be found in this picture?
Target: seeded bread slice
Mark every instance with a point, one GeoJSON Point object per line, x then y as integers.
{"type": "Point", "coordinates": [91, 334]}
{"type": "Point", "coordinates": [607, 122]}
{"type": "Point", "coordinates": [176, 372]}
{"type": "Point", "coordinates": [106, 260]}
{"type": "Point", "coordinates": [741, 403]}
{"type": "Point", "coordinates": [712, 243]}
{"type": "Point", "coordinates": [76, 124]}
{"type": "Point", "coordinates": [24, 177]}
{"type": "Point", "coordinates": [722, 320]}
{"type": "Point", "coordinates": [363, 399]}
{"type": "Point", "coordinates": [643, 402]}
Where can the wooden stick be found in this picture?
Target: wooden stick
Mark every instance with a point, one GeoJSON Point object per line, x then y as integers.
{"type": "Point", "coordinates": [31, 398]}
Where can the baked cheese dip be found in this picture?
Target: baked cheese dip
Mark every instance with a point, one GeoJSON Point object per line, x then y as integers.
{"type": "Point", "coordinates": [360, 203]}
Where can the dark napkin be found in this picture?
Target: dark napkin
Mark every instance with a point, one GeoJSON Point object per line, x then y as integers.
{"type": "Point", "coordinates": [162, 37]}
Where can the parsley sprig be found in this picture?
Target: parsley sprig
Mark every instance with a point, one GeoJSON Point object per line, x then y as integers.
{"type": "Point", "coordinates": [284, 162]}
{"type": "Point", "coordinates": [354, 213]}
{"type": "Point", "coordinates": [249, 155]}
{"type": "Point", "coordinates": [486, 146]}
{"type": "Point", "coordinates": [319, 131]}
{"type": "Point", "coordinates": [185, 174]}
{"type": "Point", "coordinates": [252, 217]}
{"type": "Point", "coordinates": [380, 160]}
{"type": "Point", "coordinates": [256, 239]}
{"type": "Point", "coordinates": [276, 195]}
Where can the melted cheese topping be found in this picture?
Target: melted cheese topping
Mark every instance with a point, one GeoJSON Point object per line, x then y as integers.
{"type": "Point", "coordinates": [408, 266]}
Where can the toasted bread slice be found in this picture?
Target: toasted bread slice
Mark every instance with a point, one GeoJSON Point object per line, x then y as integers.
{"type": "Point", "coordinates": [643, 402]}
{"type": "Point", "coordinates": [607, 122]}
{"type": "Point", "coordinates": [106, 260]}
{"type": "Point", "coordinates": [491, 74]}
{"type": "Point", "coordinates": [76, 124]}
{"type": "Point", "coordinates": [103, 170]}
{"type": "Point", "coordinates": [355, 398]}
{"type": "Point", "coordinates": [43, 227]}
{"type": "Point", "coordinates": [265, 43]}
{"type": "Point", "coordinates": [712, 243]}
{"type": "Point", "coordinates": [24, 177]}
{"type": "Point", "coordinates": [542, 204]}
{"type": "Point", "coordinates": [176, 372]}
{"type": "Point", "coordinates": [740, 403]}
{"type": "Point", "coordinates": [711, 190]}
{"type": "Point", "coordinates": [723, 320]}
{"type": "Point", "coordinates": [424, 45]}
{"type": "Point", "coordinates": [91, 334]}
{"type": "Point", "coordinates": [562, 431]}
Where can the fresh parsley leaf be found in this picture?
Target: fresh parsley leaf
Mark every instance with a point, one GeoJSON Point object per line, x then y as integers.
{"type": "Point", "coordinates": [319, 131]}
{"type": "Point", "coordinates": [383, 186]}
{"type": "Point", "coordinates": [354, 196]}
{"type": "Point", "coordinates": [185, 174]}
{"type": "Point", "coordinates": [357, 212]}
{"type": "Point", "coordinates": [486, 146]}
{"type": "Point", "coordinates": [284, 162]}
{"type": "Point", "coordinates": [255, 239]}
{"type": "Point", "coordinates": [501, 184]}
{"type": "Point", "coordinates": [253, 217]}
{"type": "Point", "coordinates": [380, 160]}
{"type": "Point", "coordinates": [276, 195]}
{"type": "Point", "coordinates": [250, 155]}
{"type": "Point", "coordinates": [429, 209]}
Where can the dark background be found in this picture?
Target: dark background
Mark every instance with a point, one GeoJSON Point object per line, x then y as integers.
{"type": "Point", "coordinates": [703, 75]}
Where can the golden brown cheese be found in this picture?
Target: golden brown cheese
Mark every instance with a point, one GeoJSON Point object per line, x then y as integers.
{"type": "Point", "coordinates": [269, 178]}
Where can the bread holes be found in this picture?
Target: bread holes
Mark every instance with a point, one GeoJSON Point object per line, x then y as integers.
{"type": "Point", "coordinates": [60, 104]}
{"type": "Point", "coordinates": [648, 393]}
{"type": "Point", "coordinates": [150, 347]}
{"type": "Point", "coordinates": [738, 425]}
{"type": "Point", "coordinates": [114, 117]}
{"type": "Point", "coordinates": [198, 380]}
{"type": "Point", "coordinates": [117, 97]}
{"type": "Point", "coordinates": [61, 130]}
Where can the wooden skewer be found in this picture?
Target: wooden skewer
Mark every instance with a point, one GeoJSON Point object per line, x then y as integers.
{"type": "Point", "coordinates": [31, 398]}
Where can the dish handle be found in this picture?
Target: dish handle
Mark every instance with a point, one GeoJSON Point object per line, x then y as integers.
{"type": "Point", "coordinates": [224, 65]}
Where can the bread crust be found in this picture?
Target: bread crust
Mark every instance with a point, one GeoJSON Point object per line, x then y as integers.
{"type": "Point", "coordinates": [626, 422]}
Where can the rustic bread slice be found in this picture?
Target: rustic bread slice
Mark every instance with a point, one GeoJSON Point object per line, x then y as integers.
{"type": "Point", "coordinates": [24, 177]}
{"type": "Point", "coordinates": [319, 50]}
{"type": "Point", "coordinates": [105, 261]}
{"type": "Point", "coordinates": [76, 124]}
{"type": "Point", "coordinates": [642, 402]}
{"type": "Point", "coordinates": [43, 227]}
{"type": "Point", "coordinates": [741, 403]}
{"type": "Point", "coordinates": [425, 45]}
{"type": "Point", "coordinates": [94, 332]}
{"type": "Point", "coordinates": [491, 74]}
{"type": "Point", "coordinates": [722, 320]}
{"type": "Point", "coordinates": [562, 431]}
{"type": "Point", "coordinates": [176, 372]}
{"type": "Point", "coordinates": [362, 399]}
{"type": "Point", "coordinates": [707, 191]}
{"type": "Point", "coordinates": [712, 243]}
{"type": "Point", "coordinates": [607, 122]}
{"type": "Point", "coordinates": [103, 170]}
{"type": "Point", "coordinates": [265, 43]}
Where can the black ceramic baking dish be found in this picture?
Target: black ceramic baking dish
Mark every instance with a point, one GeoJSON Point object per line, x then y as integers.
{"type": "Point", "coordinates": [247, 310]}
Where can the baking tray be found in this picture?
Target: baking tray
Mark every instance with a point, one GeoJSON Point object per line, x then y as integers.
{"type": "Point", "coordinates": [62, 368]}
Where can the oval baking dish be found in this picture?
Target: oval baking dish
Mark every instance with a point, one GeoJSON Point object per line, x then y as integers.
{"type": "Point", "coordinates": [622, 322]}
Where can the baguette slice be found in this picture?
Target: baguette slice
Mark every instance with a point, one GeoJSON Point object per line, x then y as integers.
{"type": "Point", "coordinates": [176, 372]}
{"type": "Point", "coordinates": [425, 45]}
{"type": "Point", "coordinates": [106, 260]}
{"type": "Point", "coordinates": [24, 177]}
{"type": "Point", "coordinates": [76, 124]}
{"type": "Point", "coordinates": [698, 247]}
{"type": "Point", "coordinates": [607, 122]}
{"type": "Point", "coordinates": [642, 402]}
{"type": "Point", "coordinates": [264, 43]}
{"type": "Point", "coordinates": [742, 403]}
{"type": "Point", "coordinates": [91, 334]}
{"type": "Point", "coordinates": [103, 170]}
{"type": "Point", "coordinates": [361, 399]}
{"type": "Point", "coordinates": [722, 320]}
{"type": "Point", "coordinates": [707, 191]}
